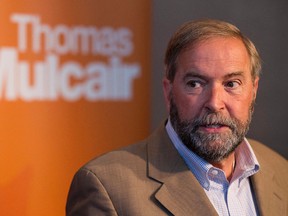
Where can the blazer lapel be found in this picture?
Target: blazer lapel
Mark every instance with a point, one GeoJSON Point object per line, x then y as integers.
{"type": "Point", "coordinates": [180, 192]}
{"type": "Point", "coordinates": [269, 197]}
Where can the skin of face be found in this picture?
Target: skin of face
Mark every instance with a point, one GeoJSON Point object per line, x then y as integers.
{"type": "Point", "coordinates": [213, 76]}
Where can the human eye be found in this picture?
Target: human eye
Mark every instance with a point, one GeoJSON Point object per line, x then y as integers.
{"type": "Point", "coordinates": [233, 84]}
{"type": "Point", "coordinates": [193, 86]}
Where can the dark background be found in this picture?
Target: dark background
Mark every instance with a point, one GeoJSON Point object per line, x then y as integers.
{"type": "Point", "coordinates": [265, 22]}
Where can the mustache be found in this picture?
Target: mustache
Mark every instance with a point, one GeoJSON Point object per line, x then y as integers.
{"type": "Point", "coordinates": [216, 119]}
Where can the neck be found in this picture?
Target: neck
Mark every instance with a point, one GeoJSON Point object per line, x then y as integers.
{"type": "Point", "coordinates": [227, 165]}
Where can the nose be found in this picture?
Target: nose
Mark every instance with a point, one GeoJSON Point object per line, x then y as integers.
{"type": "Point", "coordinates": [215, 99]}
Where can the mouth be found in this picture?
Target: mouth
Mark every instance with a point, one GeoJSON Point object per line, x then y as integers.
{"type": "Point", "coordinates": [213, 128]}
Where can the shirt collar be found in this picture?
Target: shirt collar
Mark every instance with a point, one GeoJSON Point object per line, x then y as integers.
{"type": "Point", "coordinates": [246, 161]}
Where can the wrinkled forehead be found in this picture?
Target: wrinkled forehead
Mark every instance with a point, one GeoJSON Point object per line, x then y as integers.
{"type": "Point", "coordinates": [215, 49]}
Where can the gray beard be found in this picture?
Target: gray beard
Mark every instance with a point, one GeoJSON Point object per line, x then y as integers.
{"type": "Point", "coordinates": [212, 147]}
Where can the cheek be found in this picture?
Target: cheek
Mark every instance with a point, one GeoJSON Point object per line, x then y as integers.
{"type": "Point", "coordinates": [241, 109]}
{"type": "Point", "coordinates": [188, 106]}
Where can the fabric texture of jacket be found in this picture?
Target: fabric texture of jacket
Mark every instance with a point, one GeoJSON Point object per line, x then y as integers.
{"type": "Point", "coordinates": [150, 178]}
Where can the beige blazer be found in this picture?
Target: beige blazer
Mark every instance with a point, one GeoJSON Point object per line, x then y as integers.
{"type": "Point", "coordinates": [151, 179]}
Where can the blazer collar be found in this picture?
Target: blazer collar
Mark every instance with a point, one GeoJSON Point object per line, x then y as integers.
{"type": "Point", "coordinates": [269, 196]}
{"type": "Point", "coordinates": [180, 192]}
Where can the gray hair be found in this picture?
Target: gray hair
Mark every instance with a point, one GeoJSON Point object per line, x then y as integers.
{"type": "Point", "coordinates": [193, 32]}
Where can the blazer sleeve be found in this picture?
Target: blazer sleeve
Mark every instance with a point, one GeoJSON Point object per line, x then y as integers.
{"type": "Point", "coordinates": [87, 196]}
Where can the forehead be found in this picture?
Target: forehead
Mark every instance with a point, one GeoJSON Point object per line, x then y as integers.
{"type": "Point", "coordinates": [215, 54]}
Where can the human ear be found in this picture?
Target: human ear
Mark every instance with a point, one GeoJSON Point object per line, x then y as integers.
{"type": "Point", "coordinates": [167, 87]}
{"type": "Point", "coordinates": [255, 87]}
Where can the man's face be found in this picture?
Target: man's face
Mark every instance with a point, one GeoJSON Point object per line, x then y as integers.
{"type": "Point", "coordinates": [211, 98]}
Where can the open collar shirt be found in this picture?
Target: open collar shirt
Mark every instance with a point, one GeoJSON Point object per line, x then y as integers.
{"type": "Point", "coordinates": [232, 198]}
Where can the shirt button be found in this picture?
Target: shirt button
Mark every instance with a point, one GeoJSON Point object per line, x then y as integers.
{"type": "Point", "coordinates": [205, 185]}
{"type": "Point", "coordinates": [214, 172]}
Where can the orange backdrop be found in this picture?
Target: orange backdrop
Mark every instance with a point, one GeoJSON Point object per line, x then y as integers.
{"type": "Point", "coordinates": [74, 83]}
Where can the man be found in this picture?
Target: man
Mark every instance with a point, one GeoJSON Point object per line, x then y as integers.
{"type": "Point", "coordinates": [198, 162]}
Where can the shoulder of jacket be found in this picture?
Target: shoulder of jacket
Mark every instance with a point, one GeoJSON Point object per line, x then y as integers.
{"type": "Point", "coordinates": [269, 158]}
{"type": "Point", "coordinates": [264, 150]}
{"type": "Point", "coordinates": [122, 157]}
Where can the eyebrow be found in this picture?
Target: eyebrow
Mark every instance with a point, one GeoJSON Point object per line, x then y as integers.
{"type": "Point", "coordinates": [234, 74]}
{"type": "Point", "coordinates": [197, 75]}
{"type": "Point", "coordinates": [194, 75]}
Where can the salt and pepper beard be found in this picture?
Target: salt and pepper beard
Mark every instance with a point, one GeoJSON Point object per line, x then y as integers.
{"type": "Point", "coordinates": [212, 147]}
